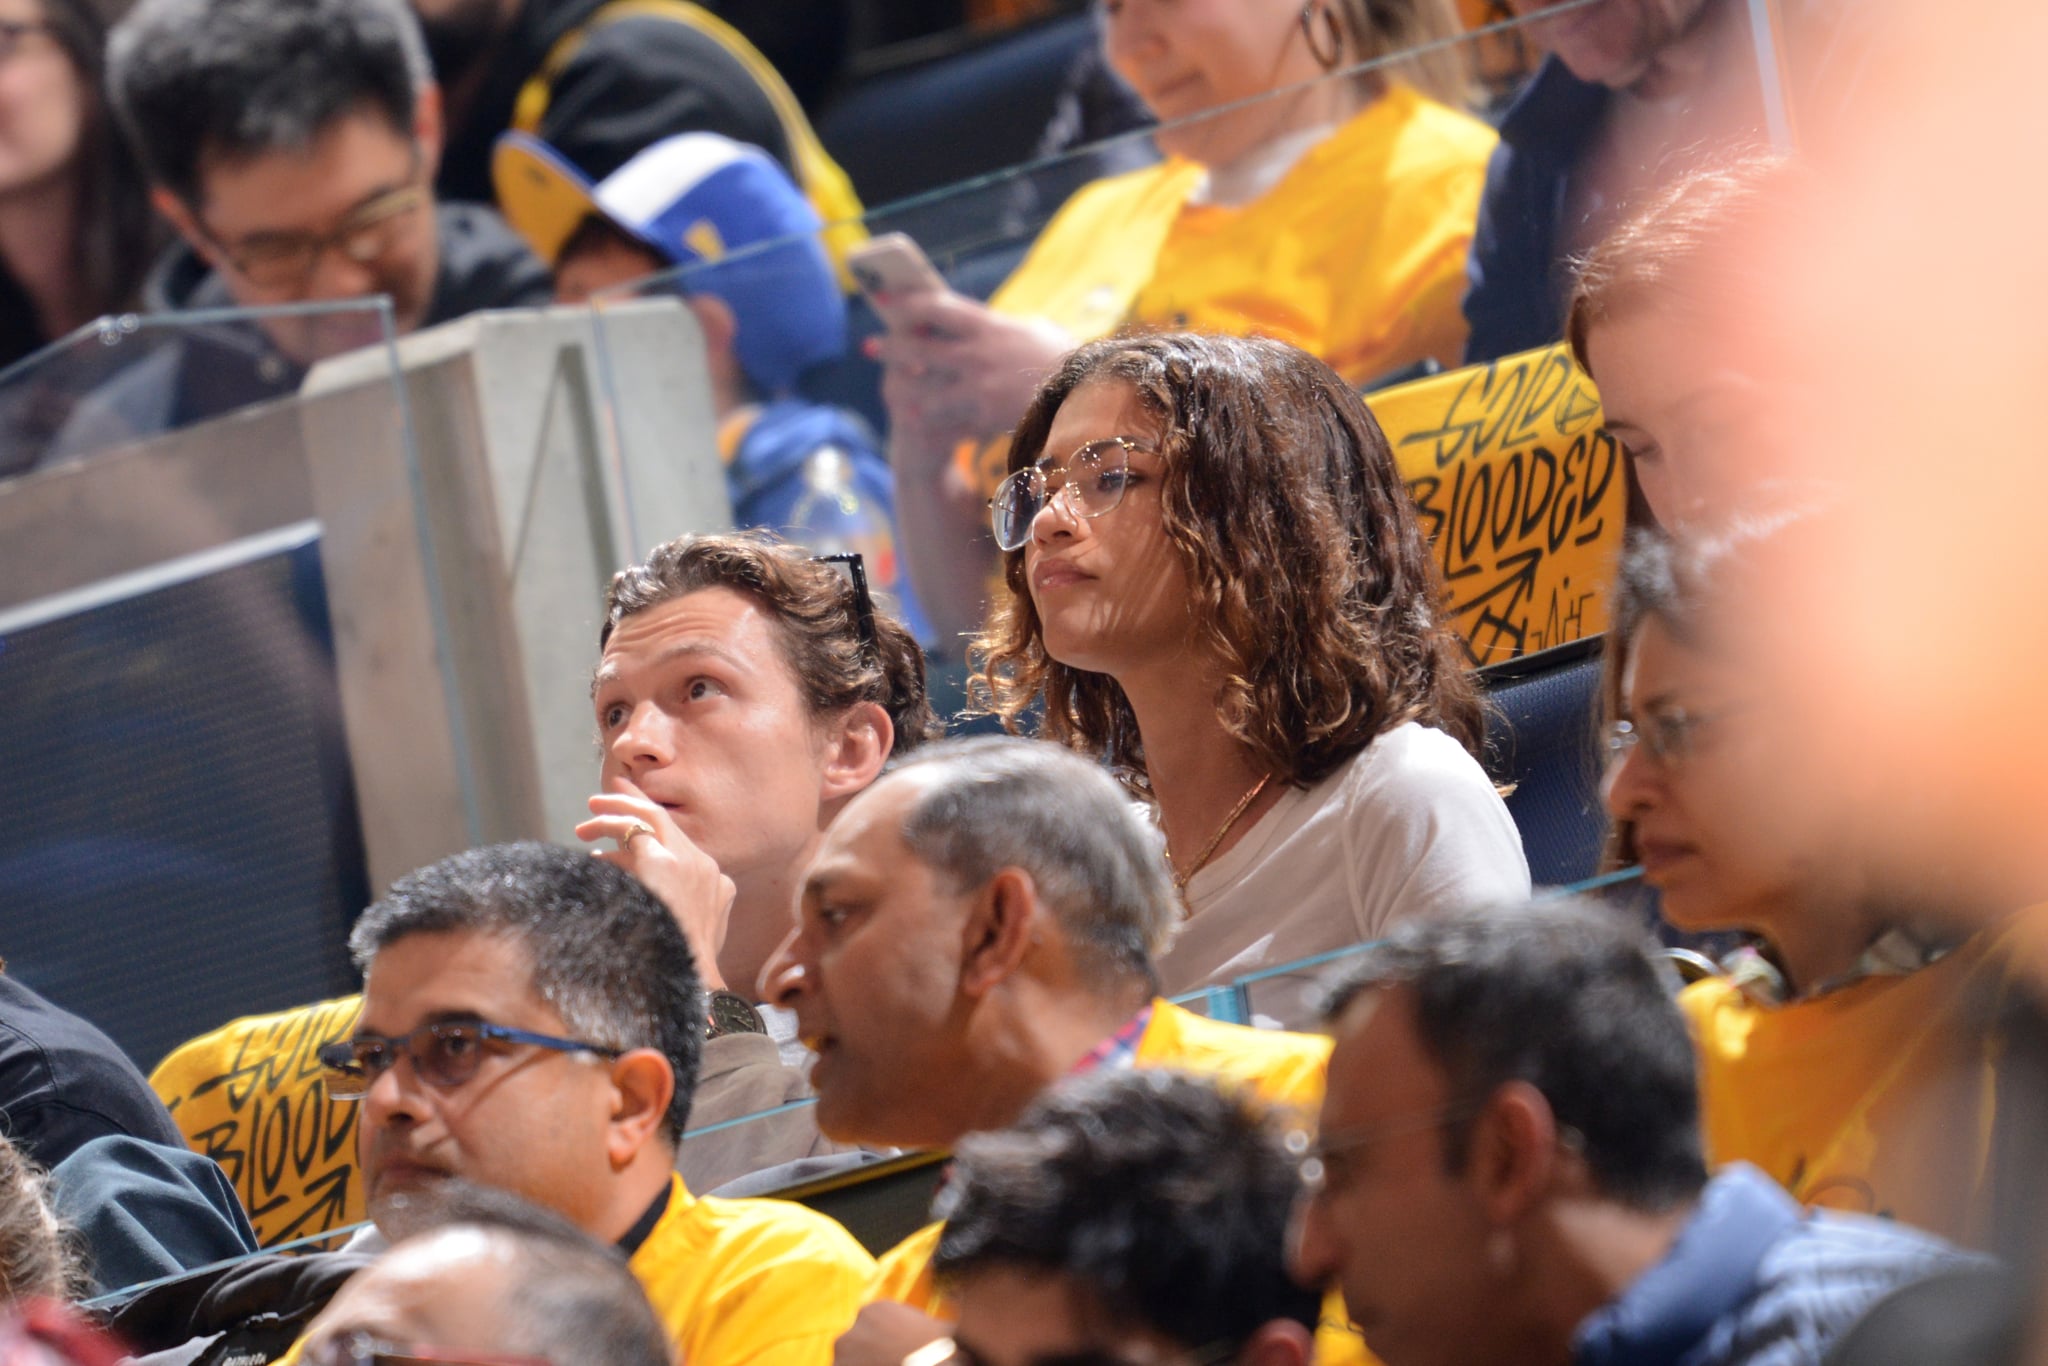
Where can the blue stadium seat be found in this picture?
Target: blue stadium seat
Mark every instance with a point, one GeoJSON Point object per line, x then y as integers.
{"type": "Point", "coordinates": [1542, 738]}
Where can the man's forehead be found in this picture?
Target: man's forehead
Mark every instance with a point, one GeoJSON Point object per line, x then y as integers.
{"type": "Point", "coordinates": [446, 972]}
{"type": "Point", "coordinates": [404, 1294]}
{"type": "Point", "coordinates": [718, 619]}
{"type": "Point", "coordinates": [870, 828]}
{"type": "Point", "coordinates": [1377, 1062]}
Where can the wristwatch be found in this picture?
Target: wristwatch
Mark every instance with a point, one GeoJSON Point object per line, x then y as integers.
{"type": "Point", "coordinates": [731, 1013]}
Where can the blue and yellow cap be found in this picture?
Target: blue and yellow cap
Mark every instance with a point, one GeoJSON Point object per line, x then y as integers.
{"type": "Point", "coordinates": [705, 201]}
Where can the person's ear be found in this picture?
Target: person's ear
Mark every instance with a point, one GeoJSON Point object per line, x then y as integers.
{"type": "Point", "coordinates": [180, 216]}
{"type": "Point", "coordinates": [642, 1084]}
{"type": "Point", "coordinates": [429, 129]}
{"type": "Point", "coordinates": [1278, 1342]}
{"type": "Point", "coordinates": [1512, 1157]}
{"type": "Point", "coordinates": [858, 748]}
{"type": "Point", "coordinates": [999, 931]}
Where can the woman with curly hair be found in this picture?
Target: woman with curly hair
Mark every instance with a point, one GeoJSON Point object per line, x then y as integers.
{"type": "Point", "coordinates": [1217, 583]}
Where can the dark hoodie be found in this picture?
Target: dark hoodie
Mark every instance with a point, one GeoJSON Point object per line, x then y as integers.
{"type": "Point", "coordinates": [94, 398]}
{"type": "Point", "coordinates": [633, 82]}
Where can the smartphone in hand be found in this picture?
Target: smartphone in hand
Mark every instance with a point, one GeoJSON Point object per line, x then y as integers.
{"type": "Point", "coordinates": [890, 269]}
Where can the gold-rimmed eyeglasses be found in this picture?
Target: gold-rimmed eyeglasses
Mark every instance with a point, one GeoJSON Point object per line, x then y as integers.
{"type": "Point", "coordinates": [1093, 479]}
{"type": "Point", "coordinates": [286, 260]}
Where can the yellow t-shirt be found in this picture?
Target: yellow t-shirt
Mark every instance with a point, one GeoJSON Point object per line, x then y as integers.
{"type": "Point", "coordinates": [1877, 1098]}
{"type": "Point", "coordinates": [751, 1282]}
{"type": "Point", "coordinates": [1279, 1068]}
{"type": "Point", "coordinates": [248, 1095]}
{"type": "Point", "coordinates": [1357, 255]}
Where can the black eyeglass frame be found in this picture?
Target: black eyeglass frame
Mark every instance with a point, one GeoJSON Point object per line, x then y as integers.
{"type": "Point", "coordinates": [339, 1060]}
{"type": "Point", "coordinates": [863, 600]}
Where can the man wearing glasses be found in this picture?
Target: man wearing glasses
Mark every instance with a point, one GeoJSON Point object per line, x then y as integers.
{"type": "Point", "coordinates": [293, 144]}
{"type": "Point", "coordinates": [745, 692]}
{"type": "Point", "coordinates": [531, 1022]}
{"type": "Point", "coordinates": [1509, 1167]}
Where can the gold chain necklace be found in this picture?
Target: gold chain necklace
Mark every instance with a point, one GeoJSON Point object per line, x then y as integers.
{"type": "Point", "coordinates": [1180, 879]}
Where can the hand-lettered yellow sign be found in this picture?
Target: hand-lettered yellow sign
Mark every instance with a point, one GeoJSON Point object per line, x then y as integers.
{"type": "Point", "coordinates": [1521, 493]}
{"type": "Point", "coordinates": [249, 1096]}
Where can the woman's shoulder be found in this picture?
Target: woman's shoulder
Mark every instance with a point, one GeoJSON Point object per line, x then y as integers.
{"type": "Point", "coordinates": [1412, 756]}
{"type": "Point", "coordinates": [1166, 183]}
{"type": "Point", "coordinates": [1429, 134]}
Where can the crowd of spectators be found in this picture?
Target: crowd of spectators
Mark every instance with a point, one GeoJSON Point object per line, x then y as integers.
{"type": "Point", "coordinates": [1143, 479]}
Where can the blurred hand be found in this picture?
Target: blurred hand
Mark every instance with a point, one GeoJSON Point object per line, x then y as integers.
{"type": "Point", "coordinates": [954, 371]}
{"type": "Point", "coordinates": [884, 1333]}
{"type": "Point", "coordinates": [686, 878]}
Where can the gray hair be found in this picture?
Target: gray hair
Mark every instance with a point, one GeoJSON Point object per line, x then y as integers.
{"type": "Point", "coordinates": [994, 802]}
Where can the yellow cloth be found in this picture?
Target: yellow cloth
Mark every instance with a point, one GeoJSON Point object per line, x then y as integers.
{"type": "Point", "coordinates": [1877, 1097]}
{"type": "Point", "coordinates": [1279, 1068]}
{"type": "Point", "coordinates": [1357, 255]}
{"type": "Point", "coordinates": [751, 1282]}
{"type": "Point", "coordinates": [248, 1095]}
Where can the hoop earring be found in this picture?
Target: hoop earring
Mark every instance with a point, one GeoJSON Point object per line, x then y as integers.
{"type": "Point", "coordinates": [1333, 35]}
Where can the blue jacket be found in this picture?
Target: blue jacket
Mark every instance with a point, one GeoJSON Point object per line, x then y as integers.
{"type": "Point", "coordinates": [1754, 1280]}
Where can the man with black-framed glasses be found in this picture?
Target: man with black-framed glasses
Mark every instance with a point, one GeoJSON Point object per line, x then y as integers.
{"type": "Point", "coordinates": [532, 1022]}
{"type": "Point", "coordinates": [293, 145]}
{"type": "Point", "coordinates": [745, 691]}
{"type": "Point", "coordinates": [1509, 1167]}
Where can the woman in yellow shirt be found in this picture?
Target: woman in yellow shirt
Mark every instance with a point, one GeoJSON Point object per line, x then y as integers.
{"type": "Point", "coordinates": [1846, 1050]}
{"type": "Point", "coordinates": [1333, 211]}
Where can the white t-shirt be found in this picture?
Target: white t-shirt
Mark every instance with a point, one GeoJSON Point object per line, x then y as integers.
{"type": "Point", "coordinates": [1410, 825]}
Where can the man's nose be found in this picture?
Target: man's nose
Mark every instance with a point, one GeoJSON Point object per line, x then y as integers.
{"type": "Point", "coordinates": [396, 1095]}
{"type": "Point", "coordinates": [338, 275]}
{"type": "Point", "coordinates": [644, 741]}
{"type": "Point", "coordinates": [785, 978]}
{"type": "Point", "coordinates": [1312, 1255]}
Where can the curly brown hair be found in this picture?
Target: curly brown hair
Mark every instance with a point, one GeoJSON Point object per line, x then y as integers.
{"type": "Point", "coordinates": [1308, 575]}
{"type": "Point", "coordinates": [815, 605]}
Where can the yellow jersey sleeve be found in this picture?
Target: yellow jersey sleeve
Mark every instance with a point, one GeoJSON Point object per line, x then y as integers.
{"type": "Point", "coordinates": [904, 1273]}
{"type": "Point", "coordinates": [752, 1282]}
{"type": "Point", "coordinates": [248, 1095]}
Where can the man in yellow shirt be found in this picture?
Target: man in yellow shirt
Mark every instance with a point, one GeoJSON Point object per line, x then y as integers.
{"type": "Point", "coordinates": [531, 1022]}
{"type": "Point", "coordinates": [977, 925]}
{"type": "Point", "coordinates": [761, 695]}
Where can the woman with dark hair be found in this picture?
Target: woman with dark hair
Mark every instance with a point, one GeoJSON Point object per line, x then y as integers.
{"type": "Point", "coordinates": [75, 226]}
{"type": "Point", "coordinates": [1320, 183]}
{"type": "Point", "coordinates": [1843, 1047]}
{"type": "Point", "coordinates": [1217, 582]}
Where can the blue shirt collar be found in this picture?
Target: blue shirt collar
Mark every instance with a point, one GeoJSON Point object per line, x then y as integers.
{"type": "Point", "coordinates": [1709, 1272]}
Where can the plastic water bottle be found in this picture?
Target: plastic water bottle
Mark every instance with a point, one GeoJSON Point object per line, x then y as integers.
{"type": "Point", "coordinates": [833, 517]}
